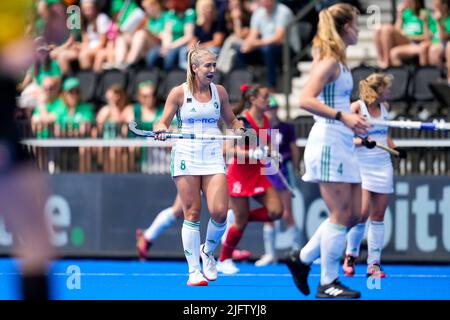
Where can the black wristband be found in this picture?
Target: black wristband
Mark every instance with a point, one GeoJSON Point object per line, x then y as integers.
{"type": "Point", "coordinates": [338, 115]}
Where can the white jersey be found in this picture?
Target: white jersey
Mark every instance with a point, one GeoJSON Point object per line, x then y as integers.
{"type": "Point", "coordinates": [336, 95]}
{"type": "Point", "coordinates": [198, 157]}
{"type": "Point", "coordinates": [330, 152]}
{"type": "Point", "coordinates": [375, 164]}
{"type": "Point", "coordinates": [377, 133]}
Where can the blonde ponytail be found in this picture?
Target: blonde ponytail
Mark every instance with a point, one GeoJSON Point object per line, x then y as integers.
{"type": "Point", "coordinates": [371, 87]}
{"type": "Point", "coordinates": [328, 40]}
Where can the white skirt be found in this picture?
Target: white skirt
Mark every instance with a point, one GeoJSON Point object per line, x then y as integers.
{"type": "Point", "coordinates": [377, 175]}
{"type": "Point", "coordinates": [330, 155]}
{"type": "Point", "coordinates": [197, 158]}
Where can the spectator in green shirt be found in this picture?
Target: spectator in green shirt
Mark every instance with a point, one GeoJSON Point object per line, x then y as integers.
{"type": "Point", "coordinates": [76, 120]}
{"type": "Point", "coordinates": [439, 23]}
{"type": "Point", "coordinates": [128, 16]}
{"type": "Point", "coordinates": [44, 66]}
{"type": "Point", "coordinates": [402, 40]}
{"type": "Point", "coordinates": [78, 116]}
{"type": "Point", "coordinates": [50, 108]}
{"type": "Point", "coordinates": [178, 32]}
{"type": "Point", "coordinates": [149, 34]}
{"type": "Point", "coordinates": [146, 113]}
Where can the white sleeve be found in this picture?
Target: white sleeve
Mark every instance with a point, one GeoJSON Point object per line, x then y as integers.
{"type": "Point", "coordinates": [103, 23]}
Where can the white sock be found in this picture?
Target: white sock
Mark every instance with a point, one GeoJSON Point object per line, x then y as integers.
{"type": "Point", "coordinates": [213, 234]}
{"type": "Point", "coordinates": [164, 220]}
{"type": "Point", "coordinates": [354, 238]}
{"type": "Point", "coordinates": [230, 220]}
{"type": "Point", "coordinates": [294, 237]}
{"type": "Point", "coordinates": [375, 240]}
{"type": "Point", "coordinates": [332, 244]}
{"type": "Point", "coordinates": [311, 251]}
{"type": "Point", "coordinates": [190, 234]}
{"type": "Point", "coordinates": [269, 239]}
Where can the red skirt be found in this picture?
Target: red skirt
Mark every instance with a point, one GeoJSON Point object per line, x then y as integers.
{"type": "Point", "coordinates": [245, 180]}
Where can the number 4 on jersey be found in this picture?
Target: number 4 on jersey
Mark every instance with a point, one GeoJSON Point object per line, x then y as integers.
{"type": "Point", "coordinates": [340, 169]}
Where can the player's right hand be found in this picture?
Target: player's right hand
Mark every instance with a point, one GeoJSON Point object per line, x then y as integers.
{"type": "Point", "coordinates": [356, 122]}
{"type": "Point", "coordinates": [369, 144]}
{"type": "Point", "coordinates": [160, 132]}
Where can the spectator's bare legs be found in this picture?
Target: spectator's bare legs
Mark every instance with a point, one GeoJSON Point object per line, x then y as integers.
{"type": "Point", "coordinates": [86, 59]}
{"type": "Point", "coordinates": [100, 58]}
{"type": "Point", "coordinates": [382, 61]}
{"type": "Point", "coordinates": [122, 45]}
{"type": "Point", "coordinates": [447, 59]}
{"type": "Point", "coordinates": [388, 38]}
{"type": "Point", "coordinates": [111, 49]}
{"type": "Point", "coordinates": [140, 44]}
{"type": "Point", "coordinates": [403, 52]}
{"type": "Point", "coordinates": [424, 53]}
{"type": "Point", "coordinates": [436, 54]}
{"type": "Point", "coordinates": [65, 57]}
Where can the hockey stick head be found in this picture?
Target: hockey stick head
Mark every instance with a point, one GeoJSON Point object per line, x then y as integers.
{"type": "Point", "coordinates": [132, 126]}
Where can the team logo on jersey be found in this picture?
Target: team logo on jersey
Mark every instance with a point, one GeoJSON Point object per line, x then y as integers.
{"type": "Point", "coordinates": [188, 100]}
{"type": "Point", "coordinates": [237, 187]}
{"type": "Point", "coordinates": [193, 110]}
{"type": "Point", "coordinates": [258, 190]}
{"type": "Point", "coordinates": [216, 105]}
{"type": "Point", "coordinates": [202, 120]}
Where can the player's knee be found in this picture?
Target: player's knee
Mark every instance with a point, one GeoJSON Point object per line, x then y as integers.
{"type": "Point", "coordinates": [387, 28]}
{"type": "Point", "coordinates": [377, 215]}
{"type": "Point", "coordinates": [220, 216]}
{"type": "Point", "coordinates": [276, 212]}
{"type": "Point", "coordinates": [192, 214]}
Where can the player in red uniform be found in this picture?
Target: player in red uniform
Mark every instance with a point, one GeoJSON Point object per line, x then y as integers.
{"type": "Point", "coordinates": [246, 177]}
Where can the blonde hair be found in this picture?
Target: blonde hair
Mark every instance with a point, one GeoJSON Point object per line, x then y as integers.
{"type": "Point", "coordinates": [199, 5]}
{"type": "Point", "coordinates": [371, 87]}
{"type": "Point", "coordinates": [328, 40]}
{"type": "Point", "coordinates": [195, 55]}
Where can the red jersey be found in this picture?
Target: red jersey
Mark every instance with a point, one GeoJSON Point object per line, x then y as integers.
{"type": "Point", "coordinates": [245, 180]}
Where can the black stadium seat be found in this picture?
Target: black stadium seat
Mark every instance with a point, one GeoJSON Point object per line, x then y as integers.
{"type": "Point", "coordinates": [305, 32]}
{"type": "Point", "coordinates": [172, 79]}
{"type": "Point", "coordinates": [441, 91]}
{"type": "Point", "coordinates": [399, 91]}
{"type": "Point", "coordinates": [234, 80]}
{"type": "Point", "coordinates": [424, 104]}
{"type": "Point", "coordinates": [88, 84]}
{"type": "Point", "coordinates": [141, 76]}
{"type": "Point", "coordinates": [107, 79]}
{"type": "Point", "coordinates": [420, 82]}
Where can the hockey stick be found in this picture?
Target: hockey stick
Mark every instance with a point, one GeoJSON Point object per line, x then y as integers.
{"type": "Point", "coordinates": [280, 174]}
{"type": "Point", "coordinates": [371, 144]}
{"type": "Point", "coordinates": [419, 125]}
{"type": "Point", "coordinates": [390, 150]}
{"type": "Point", "coordinates": [285, 182]}
{"type": "Point", "coordinates": [192, 136]}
